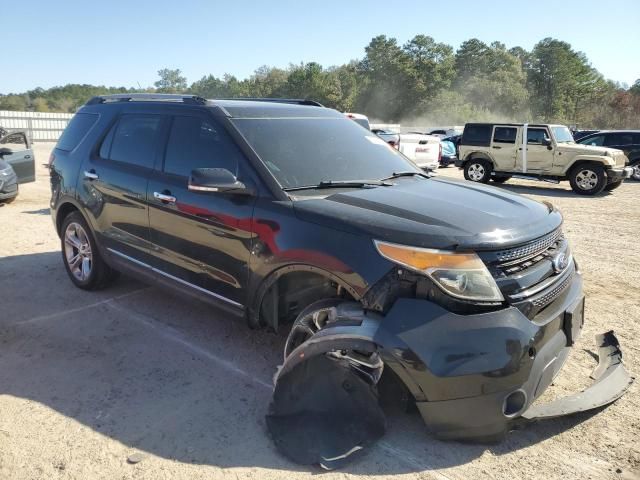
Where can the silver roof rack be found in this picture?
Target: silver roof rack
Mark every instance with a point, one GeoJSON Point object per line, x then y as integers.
{"type": "Point", "coordinates": [147, 97]}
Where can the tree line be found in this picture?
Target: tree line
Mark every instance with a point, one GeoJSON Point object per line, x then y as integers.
{"type": "Point", "coordinates": [421, 81]}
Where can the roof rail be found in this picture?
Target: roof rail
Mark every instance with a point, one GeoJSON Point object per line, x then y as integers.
{"type": "Point", "coordinates": [297, 101]}
{"type": "Point", "coordinates": [147, 97]}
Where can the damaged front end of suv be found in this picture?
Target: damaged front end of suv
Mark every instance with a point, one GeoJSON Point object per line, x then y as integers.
{"type": "Point", "coordinates": [474, 333]}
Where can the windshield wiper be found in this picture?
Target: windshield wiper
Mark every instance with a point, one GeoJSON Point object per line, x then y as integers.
{"type": "Point", "coordinates": [408, 173]}
{"type": "Point", "coordinates": [341, 184]}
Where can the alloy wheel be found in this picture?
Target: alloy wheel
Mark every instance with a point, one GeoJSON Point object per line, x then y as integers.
{"type": "Point", "coordinates": [636, 171]}
{"type": "Point", "coordinates": [77, 250]}
{"type": "Point", "coordinates": [476, 172]}
{"type": "Point", "coordinates": [586, 179]}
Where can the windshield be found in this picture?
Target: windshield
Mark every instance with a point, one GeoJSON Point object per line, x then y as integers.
{"type": "Point", "coordinates": [307, 151]}
{"type": "Point", "coordinates": [562, 135]}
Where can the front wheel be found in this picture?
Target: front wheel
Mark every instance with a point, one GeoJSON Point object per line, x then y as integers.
{"type": "Point", "coordinates": [477, 171]}
{"type": "Point", "coordinates": [636, 170]}
{"type": "Point", "coordinates": [587, 179]}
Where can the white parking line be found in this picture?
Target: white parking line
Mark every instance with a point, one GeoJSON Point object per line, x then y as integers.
{"type": "Point", "coordinates": [173, 335]}
{"type": "Point", "coordinates": [80, 309]}
{"type": "Point", "coordinates": [169, 333]}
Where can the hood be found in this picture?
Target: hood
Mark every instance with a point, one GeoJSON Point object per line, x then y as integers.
{"type": "Point", "coordinates": [587, 149]}
{"type": "Point", "coordinates": [433, 213]}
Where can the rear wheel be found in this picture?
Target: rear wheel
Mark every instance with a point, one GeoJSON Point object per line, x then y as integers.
{"type": "Point", "coordinates": [477, 171]}
{"type": "Point", "coordinates": [587, 179]}
{"type": "Point", "coordinates": [636, 170]}
{"type": "Point", "coordinates": [612, 185]}
{"type": "Point", "coordinates": [82, 260]}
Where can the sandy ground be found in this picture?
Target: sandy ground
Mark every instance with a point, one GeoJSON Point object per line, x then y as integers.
{"type": "Point", "coordinates": [88, 379]}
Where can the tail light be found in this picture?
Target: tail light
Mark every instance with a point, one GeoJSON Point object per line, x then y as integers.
{"type": "Point", "coordinates": [440, 152]}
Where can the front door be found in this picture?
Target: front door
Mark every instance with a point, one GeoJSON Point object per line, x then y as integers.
{"type": "Point", "coordinates": [503, 147]}
{"type": "Point", "coordinates": [202, 240]}
{"type": "Point", "coordinates": [539, 151]}
{"type": "Point", "coordinates": [15, 149]}
{"type": "Point", "coordinates": [113, 184]}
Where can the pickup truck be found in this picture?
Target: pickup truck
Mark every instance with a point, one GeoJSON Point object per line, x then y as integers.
{"type": "Point", "coordinates": [499, 151]}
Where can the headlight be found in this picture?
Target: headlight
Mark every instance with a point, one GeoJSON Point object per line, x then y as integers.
{"type": "Point", "coordinates": [461, 275]}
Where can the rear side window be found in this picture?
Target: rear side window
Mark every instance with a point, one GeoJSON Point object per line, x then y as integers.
{"type": "Point", "coordinates": [133, 140]}
{"type": "Point", "coordinates": [505, 134]}
{"type": "Point", "coordinates": [477, 135]}
{"type": "Point", "coordinates": [76, 130]}
{"type": "Point", "coordinates": [197, 142]}
{"type": "Point", "coordinates": [618, 139]}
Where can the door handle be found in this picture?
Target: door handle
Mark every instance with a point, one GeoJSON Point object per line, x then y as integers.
{"type": "Point", "coordinates": [497, 147]}
{"type": "Point", "coordinates": [90, 175]}
{"type": "Point", "coordinates": [164, 197]}
{"type": "Point", "coordinates": [27, 157]}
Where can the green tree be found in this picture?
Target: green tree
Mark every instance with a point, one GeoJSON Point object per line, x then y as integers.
{"type": "Point", "coordinates": [171, 81]}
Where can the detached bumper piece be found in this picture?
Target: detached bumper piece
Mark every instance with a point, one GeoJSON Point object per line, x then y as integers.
{"type": "Point", "coordinates": [611, 381]}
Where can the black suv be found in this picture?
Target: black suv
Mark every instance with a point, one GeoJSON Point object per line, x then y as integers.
{"type": "Point", "coordinates": [467, 297]}
{"type": "Point", "coordinates": [626, 140]}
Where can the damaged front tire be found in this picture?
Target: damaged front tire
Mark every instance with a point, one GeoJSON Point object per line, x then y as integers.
{"type": "Point", "coordinates": [325, 407]}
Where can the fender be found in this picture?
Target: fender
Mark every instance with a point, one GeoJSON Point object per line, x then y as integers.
{"type": "Point", "coordinates": [604, 161]}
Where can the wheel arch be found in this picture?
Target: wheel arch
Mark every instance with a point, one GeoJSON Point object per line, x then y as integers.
{"type": "Point", "coordinates": [279, 277]}
{"type": "Point", "coordinates": [64, 208]}
{"type": "Point", "coordinates": [479, 155]}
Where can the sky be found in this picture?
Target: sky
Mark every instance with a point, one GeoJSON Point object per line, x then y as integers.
{"type": "Point", "coordinates": [125, 43]}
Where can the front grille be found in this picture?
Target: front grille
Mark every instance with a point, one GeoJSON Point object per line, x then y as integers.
{"type": "Point", "coordinates": [551, 295]}
{"type": "Point", "coordinates": [530, 249]}
{"type": "Point", "coordinates": [526, 274]}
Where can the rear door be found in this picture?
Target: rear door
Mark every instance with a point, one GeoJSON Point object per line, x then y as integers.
{"type": "Point", "coordinates": [113, 183]}
{"type": "Point", "coordinates": [539, 155]}
{"type": "Point", "coordinates": [201, 240]}
{"type": "Point", "coordinates": [15, 149]}
{"type": "Point", "coordinates": [503, 147]}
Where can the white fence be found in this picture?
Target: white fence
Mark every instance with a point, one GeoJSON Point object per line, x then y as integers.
{"type": "Point", "coordinates": [41, 126]}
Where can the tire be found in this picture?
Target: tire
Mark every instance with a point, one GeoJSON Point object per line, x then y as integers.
{"type": "Point", "coordinates": [81, 257]}
{"type": "Point", "coordinates": [612, 186]}
{"type": "Point", "coordinates": [587, 179]}
{"type": "Point", "coordinates": [636, 170]}
{"type": "Point", "coordinates": [477, 171]}
{"type": "Point", "coordinates": [500, 179]}
{"type": "Point", "coordinates": [9, 200]}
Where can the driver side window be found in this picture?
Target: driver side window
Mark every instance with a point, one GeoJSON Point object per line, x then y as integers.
{"type": "Point", "coordinates": [198, 142]}
{"type": "Point", "coordinates": [536, 136]}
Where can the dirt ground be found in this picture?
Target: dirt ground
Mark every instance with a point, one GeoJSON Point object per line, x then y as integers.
{"type": "Point", "coordinates": [89, 379]}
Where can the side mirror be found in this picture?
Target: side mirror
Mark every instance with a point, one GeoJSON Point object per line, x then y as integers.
{"type": "Point", "coordinates": [5, 151]}
{"type": "Point", "coordinates": [216, 180]}
{"type": "Point", "coordinates": [547, 143]}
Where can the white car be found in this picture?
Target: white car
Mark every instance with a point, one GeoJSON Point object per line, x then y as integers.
{"type": "Point", "coordinates": [423, 150]}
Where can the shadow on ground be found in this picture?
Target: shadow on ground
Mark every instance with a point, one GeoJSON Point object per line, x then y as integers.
{"type": "Point", "coordinates": [148, 369]}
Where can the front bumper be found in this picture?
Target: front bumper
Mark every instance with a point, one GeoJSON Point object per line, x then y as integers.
{"type": "Point", "coordinates": [618, 174]}
{"type": "Point", "coordinates": [474, 376]}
